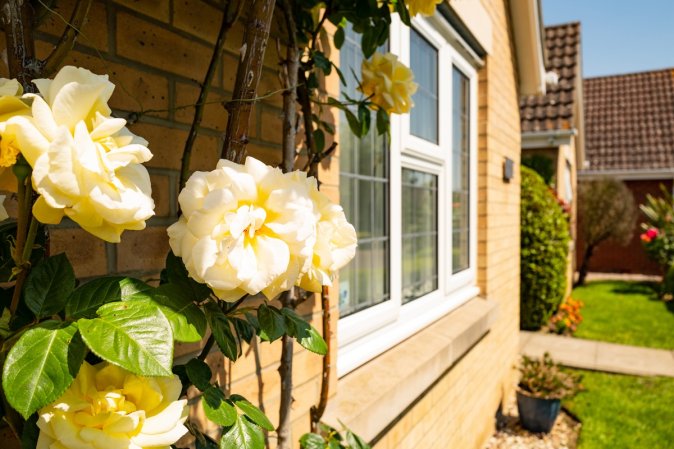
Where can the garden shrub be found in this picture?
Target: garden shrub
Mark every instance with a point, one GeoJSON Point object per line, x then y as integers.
{"type": "Point", "coordinates": [544, 251]}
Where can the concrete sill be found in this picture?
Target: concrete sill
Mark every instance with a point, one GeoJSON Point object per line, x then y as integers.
{"type": "Point", "coordinates": [370, 398]}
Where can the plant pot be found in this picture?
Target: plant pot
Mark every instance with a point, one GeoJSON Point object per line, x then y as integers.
{"type": "Point", "coordinates": [536, 414]}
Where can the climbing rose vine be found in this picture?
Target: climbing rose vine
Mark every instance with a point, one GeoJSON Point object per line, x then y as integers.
{"type": "Point", "coordinates": [388, 83]}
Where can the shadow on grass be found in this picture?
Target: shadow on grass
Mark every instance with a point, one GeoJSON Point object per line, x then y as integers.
{"type": "Point", "coordinates": [649, 289]}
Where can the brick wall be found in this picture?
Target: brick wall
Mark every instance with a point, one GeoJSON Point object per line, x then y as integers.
{"type": "Point", "coordinates": [610, 257]}
{"type": "Point", "coordinates": [458, 410]}
{"type": "Point", "coordinates": [157, 53]}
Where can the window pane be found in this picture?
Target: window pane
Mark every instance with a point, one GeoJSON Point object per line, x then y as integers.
{"type": "Point", "coordinates": [364, 192]}
{"type": "Point", "coordinates": [419, 234]}
{"type": "Point", "coordinates": [424, 64]}
{"type": "Point", "coordinates": [460, 171]}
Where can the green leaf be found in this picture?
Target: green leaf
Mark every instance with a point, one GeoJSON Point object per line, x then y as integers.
{"type": "Point", "coordinates": [404, 14]}
{"type": "Point", "coordinates": [217, 408]}
{"type": "Point", "coordinates": [319, 138]}
{"type": "Point", "coordinates": [355, 442]}
{"type": "Point", "coordinates": [307, 336]}
{"type": "Point", "coordinates": [199, 374]}
{"type": "Point", "coordinates": [133, 334]}
{"type": "Point", "coordinates": [87, 298]}
{"type": "Point", "coordinates": [42, 365]}
{"type": "Point", "coordinates": [312, 441]}
{"type": "Point", "coordinates": [354, 124]}
{"type": "Point", "coordinates": [5, 329]}
{"type": "Point", "coordinates": [31, 433]}
{"type": "Point", "coordinates": [243, 434]}
{"type": "Point", "coordinates": [222, 332]}
{"type": "Point", "coordinates": [48, 286]}
{"type": "Point", "coordinates": [252, 412]}
{"type": "Point", "coordinates": [382, 121]}
{"type": "Point", "coordinates": [272, 324]}
{"type": "Point", "coordinates": [188, 322]}
{"type": "Point", "coordinates": [364, 117]}
{"type": "Point", "coordinates": [339, 38]}
{"type": "Point", "coordinates": [244, 329]}
{"type": "Point", "coordinates": [322, 62]}
{"type": "Point", "coordinates": [178, 276]}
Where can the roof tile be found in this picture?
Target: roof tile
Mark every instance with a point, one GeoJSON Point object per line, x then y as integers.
{"type": "Point", "coordinates": [554, 110]}
{"type": "Point", "coordinates": [629, 121]}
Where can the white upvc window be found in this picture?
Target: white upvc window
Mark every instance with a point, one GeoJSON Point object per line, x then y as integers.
{"type": "Point", "coordinates": [412, 199]}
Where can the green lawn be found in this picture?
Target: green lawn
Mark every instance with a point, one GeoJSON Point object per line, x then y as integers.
{"type": "Point", "coordinates": [625, 312]}
{"type": "Point", "coordinates": [625, 412]}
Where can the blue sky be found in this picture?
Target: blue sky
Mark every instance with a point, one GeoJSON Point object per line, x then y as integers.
{"type": "Point", "coordinates": [619, 36]}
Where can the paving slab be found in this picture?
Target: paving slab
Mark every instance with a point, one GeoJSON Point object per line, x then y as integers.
{"type": "Point", "coordinates": [599, 356]}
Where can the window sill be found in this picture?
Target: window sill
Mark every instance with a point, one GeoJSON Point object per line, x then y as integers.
{"type": "Point", "coordinates": [371, 397]}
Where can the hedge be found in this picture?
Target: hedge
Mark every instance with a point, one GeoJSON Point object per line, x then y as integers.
{"type": "Point", "coordinates": [544, 251]}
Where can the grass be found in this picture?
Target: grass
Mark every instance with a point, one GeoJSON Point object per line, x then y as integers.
{"type": "Point", "coordinates": [625, 312]}
{"type": "Point", "coordinates": [625, 412]}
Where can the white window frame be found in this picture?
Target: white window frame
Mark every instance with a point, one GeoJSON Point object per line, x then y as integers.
{"type": "Point", "coordinates": [367, 333]}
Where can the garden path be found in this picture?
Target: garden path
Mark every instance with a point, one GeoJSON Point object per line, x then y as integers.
{"type": "Point", "coordinates": [599, 355]}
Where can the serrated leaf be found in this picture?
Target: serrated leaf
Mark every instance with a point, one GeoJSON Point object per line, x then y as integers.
{"type": "Point", "coordinates": [312, 441]}
{"type": "Point", "coordinates": [244, 329]}
{"type": "Point", "coordinates": [222, 332]}
{"type": "Point", "coordinates": [48, 286]}
{"type": "Point", "coordinates": [42, 365]}
{"type": "Point", "coordinates": [217, 408]}
{"type": "Point", "coordinates": [243, 434]}
{"type": "Point", "coordinates": [87, 298]}
{"type": "Point", "coordinates": [307, 336]}
{"type": "Point", "coordinates": [252, 412]}
{"type": "Point", "coordinates": [199, 373]}
{"type": "Point", "coordinates": [177, 275]}
{"type": "Point", "coordinates": [133, 334]}
{"type": "Point", "coordinates": [272, 323]}
{"type": "Point", "coordinates": [188, 322]}
{"type": "Point", "coordinates": [354, 124]}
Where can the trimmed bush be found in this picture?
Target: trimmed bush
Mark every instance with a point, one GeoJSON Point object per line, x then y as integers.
{"type": "Point", "coordinates": [544, 252]}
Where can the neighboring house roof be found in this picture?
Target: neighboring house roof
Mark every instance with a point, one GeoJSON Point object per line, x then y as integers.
{"type": "Point", "coordinates": [556, 109]}
{"type": "Point", "coordinates": [629, 121]}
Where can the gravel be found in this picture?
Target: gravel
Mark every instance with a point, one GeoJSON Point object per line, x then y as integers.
{"type": "Point", "coordinates": [511, 435]}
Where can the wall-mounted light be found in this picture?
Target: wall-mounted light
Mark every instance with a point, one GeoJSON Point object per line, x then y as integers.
{"type": "Point", "coordinates": [508, 169]}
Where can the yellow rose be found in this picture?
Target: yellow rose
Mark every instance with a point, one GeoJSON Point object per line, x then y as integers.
{"type": "Point", "coordinates": [336, 240]}
{"type": "Point", "coordinates": [388, 83]}
{"type": "Point", "coordinates": [11, 104]}
{"type": "Point", "coordinates": [86, 164]}
{"type": "Point", "coordinates": [424, 7]}
{"type": "Point", "coordinates": [107, 407]}
{"type": "Point", "coordinates": [244, 229]}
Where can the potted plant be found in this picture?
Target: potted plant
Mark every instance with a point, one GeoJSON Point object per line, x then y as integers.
{"type": "Point", "coordinates": [542, 386]}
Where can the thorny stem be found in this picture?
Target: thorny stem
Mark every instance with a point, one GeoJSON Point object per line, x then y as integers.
{"type": "Point", "coordinates": [229, 17]}
{"type": "Point", "coordinates": [305, 102]}
{"type": "Point", "coordinates": [67, 41]}
{"type": "Point", "coordinates": [17, 21]}
{"type": "Point", "coordinates": [286, 372]}
{"type": "Point", "coordinates": [248, 75]}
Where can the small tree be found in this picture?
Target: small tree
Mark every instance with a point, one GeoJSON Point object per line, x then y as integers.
{"type": "Point", "coordinates": [608, 213]}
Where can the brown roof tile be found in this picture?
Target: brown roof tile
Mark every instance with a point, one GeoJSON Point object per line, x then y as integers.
{"type": "Point", "coordinates": [554, 110]}
{"type": "Point", "coordinates": [629, 121]}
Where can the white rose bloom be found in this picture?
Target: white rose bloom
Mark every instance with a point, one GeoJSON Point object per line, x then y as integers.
{"type": "Point", "coordinates": [107, 407]}
{"type": "Point", "coordinates": [86, 164]}
{"type": "Point", "coordinates": [336, 240]}
{"type": "Point", "coordinates": [245, 229]}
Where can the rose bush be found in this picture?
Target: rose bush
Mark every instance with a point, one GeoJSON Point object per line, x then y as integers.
{"type": "Point", "coordinates": [388, 83]}
{"type": "Point", "coordinates": [86, 164]}
{"type": "Point", "coordinates": [107, 407]}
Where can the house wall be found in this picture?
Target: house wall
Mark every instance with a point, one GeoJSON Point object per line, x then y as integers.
{"type": "Point", "coordinates": [458, 410]}
{"type": "Point", "coordinates": [157, 52]}
{"type": "Point", "coordinates": [610, 257]}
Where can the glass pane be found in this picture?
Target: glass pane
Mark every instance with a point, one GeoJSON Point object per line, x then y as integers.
{"type": "Point", "coordinates": [364, 191]}
{"type": "Point", "coordinates": [460, 171]}
{"type": "Point", "coordinates": [424, 64]}
{"type": "Point", "coordinates": [419, 234]}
